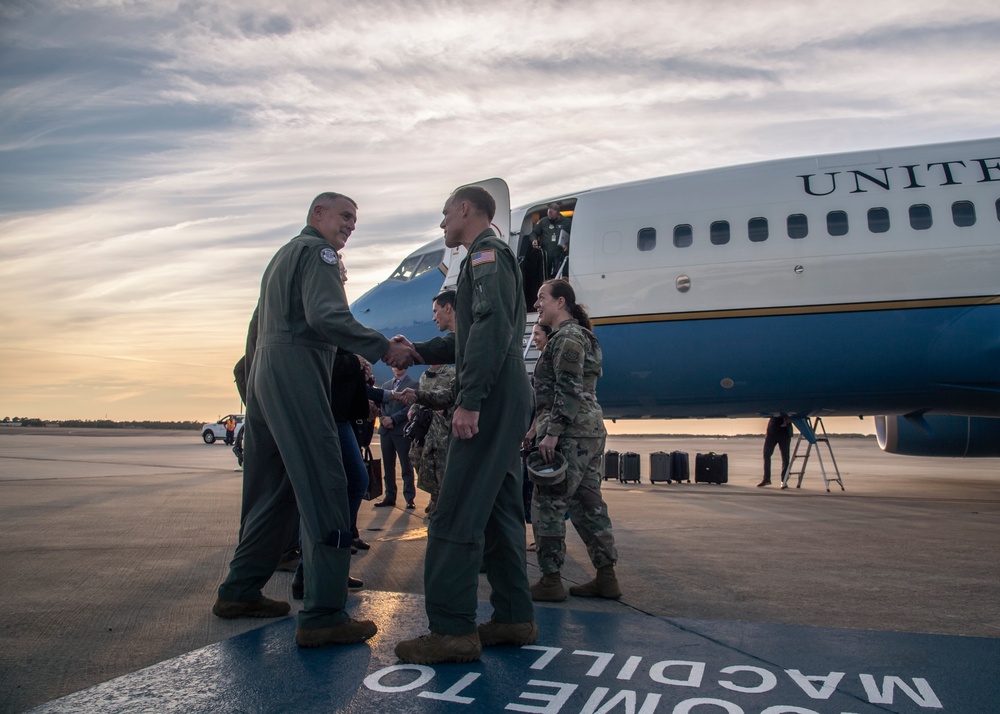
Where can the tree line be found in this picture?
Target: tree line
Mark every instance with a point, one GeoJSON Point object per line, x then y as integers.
{"type": "Point", "coordinates": [101, 423]}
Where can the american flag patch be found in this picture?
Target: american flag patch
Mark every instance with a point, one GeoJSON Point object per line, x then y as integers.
{"type": "Point", "coordinates": [484, 256]}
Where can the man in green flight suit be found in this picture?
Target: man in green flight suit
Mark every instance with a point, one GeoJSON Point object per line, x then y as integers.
{"type": "Point", "coordinates": [480, 513]}
{"type": "Point", "coordinates": [292, 453]}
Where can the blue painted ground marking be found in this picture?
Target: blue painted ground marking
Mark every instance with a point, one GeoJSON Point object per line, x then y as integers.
{"type": "Point", "coordinates": [584, 662]}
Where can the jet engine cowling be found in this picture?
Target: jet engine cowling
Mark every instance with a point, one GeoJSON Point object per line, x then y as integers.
{"type": "Point", "coordinates": [939, 435]}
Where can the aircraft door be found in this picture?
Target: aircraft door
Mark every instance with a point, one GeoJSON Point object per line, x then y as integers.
{"type": "Point", "coordinates": [501, 224]}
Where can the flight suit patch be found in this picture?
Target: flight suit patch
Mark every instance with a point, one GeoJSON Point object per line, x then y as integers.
{"type": "Point", "coordinates": [329, 255]}
{"type": "Point", "coordinates": [484, 262]}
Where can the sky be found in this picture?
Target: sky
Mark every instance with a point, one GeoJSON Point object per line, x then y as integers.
{"type": "Point", "coordinates": [154, 155]}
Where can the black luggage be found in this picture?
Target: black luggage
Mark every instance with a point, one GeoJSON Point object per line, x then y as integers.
{"type": "Point", "coordinates": [711, 468]}
{"type": "Point", "coordinates": [680, 469]}
{"type": "Point", "coordinates": [659, 467]}
{"type": "Point", "coordinates": [630, 467]}
{"type": "Point", "coordinates": [612, 465]}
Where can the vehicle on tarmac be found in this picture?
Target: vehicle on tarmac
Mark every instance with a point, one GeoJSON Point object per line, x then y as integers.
{"type": "Point", "coordinates": [217, 430]}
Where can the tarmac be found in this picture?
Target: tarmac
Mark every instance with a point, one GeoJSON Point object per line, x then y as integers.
{"type": "Point", "coordinates": [113, 546]}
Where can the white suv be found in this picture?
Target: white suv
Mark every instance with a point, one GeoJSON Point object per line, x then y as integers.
{"type": "Point", "coordinates": [211, 432]}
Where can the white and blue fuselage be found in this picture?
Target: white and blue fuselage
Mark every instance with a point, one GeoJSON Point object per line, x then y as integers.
{"type": "Point", "coordinates": [847, 284]}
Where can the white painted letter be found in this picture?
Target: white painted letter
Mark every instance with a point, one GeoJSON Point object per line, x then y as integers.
{"type": "Point", "coordinates": [767, 680]}
{"type": "Point", "coordinates": [805, 683]}
{"type": "Point", "coordinates": [693, 678]}
{"type": "Point", "coordinates": [626, 697]}
{"type": "Point", "coordinates": [688, 705]}
{"type": "Point", "coordinates": [629, 669]}
{"type": "Point", "coordinates": [924, 696]}
{"type": "Point", "coordinates": [555, 701]}
{"type": "Point", "coordinates": [372, 681]}
{"type": "Point", "coordinates": [601, 661]}
{"type": "Point", "coordinates": [549, 655]}
{"type": "Point", "coordinates": [451, 694]}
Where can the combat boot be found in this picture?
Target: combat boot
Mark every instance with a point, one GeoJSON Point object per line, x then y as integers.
{"type": "Point", "coordinates": [604, 585]}
{"type": "Point", "coordinates": [261, 607]}
{"type": "Point", "coordinates": [435, 648]}
{"type": "Point", "coordinates": [549, 589]}
{"type": "Point", "coordinates": [344, 633]}
{"type": "Point", "coordinates": [508, 633]}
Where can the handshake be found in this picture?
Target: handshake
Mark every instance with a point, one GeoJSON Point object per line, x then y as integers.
{"type": "Point", "coordinates": [407, 396]}
{"type": "Point", "coordinates": [401, 353]}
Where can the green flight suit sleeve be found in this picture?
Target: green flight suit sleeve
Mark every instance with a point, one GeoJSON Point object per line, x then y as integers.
{"type": "Point", "coordinates": [327, 311]}
{"type": "Point", "coordinates": [439, 350]}
{"type": "Point", "coordinates": [493, 324]}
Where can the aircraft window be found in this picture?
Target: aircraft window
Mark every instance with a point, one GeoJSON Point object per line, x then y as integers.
{"type": "Point", "coordinates": [719, 234]}
{"type": "Point", "coordinates": [836, 223]}
{"type": "Point", "coordinates": [963, 213]}
{"type": "Point", "coordinates": [757, 229]}
{"type": "Point", "coordinates": [429, 262]}
{"type": "Point", "coordinates": [878, 220]}
{"type": "Point", "coordinates": [798, 225]}
{"type": "Point", "coordinates": [683, 236]}
{"type": "Point", "coordinates": [405, 270]}
{"type": "Point", "coordinates": [920, 217]}
{"type": "Point", "coordinates": [647, 238]}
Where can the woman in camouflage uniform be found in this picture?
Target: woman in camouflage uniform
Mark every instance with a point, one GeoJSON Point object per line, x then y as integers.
{"type": "Point", "coordinates": [570, 420]}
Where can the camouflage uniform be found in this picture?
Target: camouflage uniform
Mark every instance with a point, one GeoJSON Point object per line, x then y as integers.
{"type": "Point", "coordinates": [436, 391]}
{"type": "Point", "coordinates": [566, 401]}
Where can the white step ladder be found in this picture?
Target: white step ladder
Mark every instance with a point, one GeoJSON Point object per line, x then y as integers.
{"type": "Point", "coordinates": [813, 434]}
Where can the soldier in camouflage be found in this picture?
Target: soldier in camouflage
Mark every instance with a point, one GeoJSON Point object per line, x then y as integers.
{"type": "Point", "coordinates": [570, 421]}
{"type": "Point", "coordinates": [436, 391]}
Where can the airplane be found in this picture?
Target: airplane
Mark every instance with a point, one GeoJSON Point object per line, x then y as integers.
{"type": "Point", "coordinates": [864, 283]}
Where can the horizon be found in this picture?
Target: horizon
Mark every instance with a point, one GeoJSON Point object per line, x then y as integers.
{"type": "Point", "coordinates": [841, 426]}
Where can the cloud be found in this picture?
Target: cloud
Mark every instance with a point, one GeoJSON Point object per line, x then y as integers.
{"type": "Point", "coordinates": [154, 155]}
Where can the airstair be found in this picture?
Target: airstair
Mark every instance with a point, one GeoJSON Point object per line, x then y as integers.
{"type": "Point", "coordinates": [813, 434]}
{"type": "Point", "coordinates": [530, 353]}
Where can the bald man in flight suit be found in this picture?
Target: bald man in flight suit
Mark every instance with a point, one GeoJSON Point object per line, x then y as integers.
{"type": "Point", "coordinates": [291, 449]}
{"type": "Point", "coordinates": [479, 516]}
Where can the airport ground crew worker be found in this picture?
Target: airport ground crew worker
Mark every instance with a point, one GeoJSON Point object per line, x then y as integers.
{"type": "Point", "coordinates": [291, 447]}
{"type": "Point", "coordinates": [479, 516]}
{"type": "Point", "coordinates": [779, 433]}
{"type": "Point", "coordinates": [569, 419]}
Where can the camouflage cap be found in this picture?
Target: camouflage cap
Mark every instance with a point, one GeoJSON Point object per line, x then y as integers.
{"type": "Point", "coordinates": [545, 473]}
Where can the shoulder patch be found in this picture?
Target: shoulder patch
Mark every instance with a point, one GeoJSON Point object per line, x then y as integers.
{"type": "Point", "coordinates": [329, 255]}
{"type": "Point", "coordinates": [484, 256]}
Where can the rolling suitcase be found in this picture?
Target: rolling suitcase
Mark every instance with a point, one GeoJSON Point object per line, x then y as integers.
{"type": "Point", "coordinates": [612, 465]}
{"type": "Point", "coordinates": [630, 467]}
{"type": "Point", "coordinates": [680, 468]}
{"type": "Point", "coordinates": [711, 468]}
{"type": "Point", "coordinates": [659, 467]}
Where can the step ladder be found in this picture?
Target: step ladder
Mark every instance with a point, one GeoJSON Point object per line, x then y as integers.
{"type": "Point", "coordinates": [813, 434]}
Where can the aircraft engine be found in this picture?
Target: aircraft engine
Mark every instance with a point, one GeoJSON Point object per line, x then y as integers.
{"type": "Point", "coordinates": [939, 435]}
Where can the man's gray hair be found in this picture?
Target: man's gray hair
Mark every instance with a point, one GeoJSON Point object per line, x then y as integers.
{"type": "Point", "coordinates": [325, 199]}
